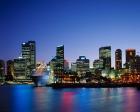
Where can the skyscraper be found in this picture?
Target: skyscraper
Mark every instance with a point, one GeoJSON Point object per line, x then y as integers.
{"type": "Point", "coordinates": [82, 65]}
{"type": "Point", "coordinates": [105, 55]}
{"type": "Point", "coordinates": [118, 59]}
{"type": "Point", "coordinates": [29, 53]}
{"type": "Point", "coordinates": [60, 52]}
{"type": "Point", "coordinates": [53, 64]}
{"type": "Point", "coordinates": [60, 58]}
{"type": "Point", "coordinates": [59, 64]}
{"type": "Point", "coordinates": [130, 59]}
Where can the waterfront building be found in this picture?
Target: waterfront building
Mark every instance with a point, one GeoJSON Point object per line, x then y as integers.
{"type": "Point", "coordinates": [29, 54]}
{"type": "Point", "coordinates": [105, 55]}
{"type": "Point", "coordinates": [82, 65]}
{"type": "Point", "coordinates": [118, 59]}
{"type": "Point", "coordinates": [130, 59]}
{"type": "Point", "coordinates": [53, 64]}
{"type": "Point", "coordinates": [60, 60]}
{"type": "Point", "coordinates": [20, 68]}
{"type": "Point", "coordinates": [57, 64]}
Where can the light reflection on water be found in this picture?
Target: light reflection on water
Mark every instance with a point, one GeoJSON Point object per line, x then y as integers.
{"type": "Point", "coordinates": [21, 98]}
{"type": "Point", "coordinates": [25, 98]}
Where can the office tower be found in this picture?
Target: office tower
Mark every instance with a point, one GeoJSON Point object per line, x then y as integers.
{"type": "Point", "coordinates": [137, 63]}
{"type": "Point", "coordinates": [73, 67]}
{"type": "Point", "coordinates": [20, 68]}
{"type": "Point", "coordinates": [60, 53]}
{"type": "Point", "coordinates": [82, 65]}
{"type": "Point", "coordinates": [130, 59]}
{"type": "Point", "coordinates": [57, 64]}
{"type": "Point", "coordinates": [53, 64]}
{"type": "Point", "coordinates": [2, 68]}
{"type": "Point", "coordinates": [60, 59]}
{"type": "Point", "coordinates": [105, 55]}
{"type": "Point", "coordinates": [98, 64]}
{"type": "Point", "coordinates": [10, 70]}
{"type": "Point", "coordinates": [29, 53]}
{"type": "Point", "coordinates": [118, 59]}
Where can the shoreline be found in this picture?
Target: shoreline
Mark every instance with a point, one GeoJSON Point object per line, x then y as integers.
{"type": "Point", "coordinates": [78, 85]}
{"type": "Point", "coordinates": [82, 85]}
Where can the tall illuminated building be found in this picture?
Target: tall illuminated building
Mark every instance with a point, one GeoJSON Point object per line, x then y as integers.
{"type": "Point", "coordinates": [53, 64]}
{"type": "Point", "coordinates": [29, 53]}
{"type": "Point", "coordinates": [60, 58]}
{"type": "Point", "coordinates": [60, 52]}
{"type": "Point", "coordinates": [105, 55]}
{"type": "Point", "coordinates": [130, 59]}
{"type": "Point", "coordinates": [82, 65]}
{"type": "Point", "coordinates": [59, 63]}
{"type": "Point", "coordinates": [118, 59]}
{"type": "Point", "coordinates": [20, 68]}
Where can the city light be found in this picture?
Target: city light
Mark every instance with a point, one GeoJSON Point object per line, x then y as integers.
{"type": "Point", "coordinates": [58, 71]}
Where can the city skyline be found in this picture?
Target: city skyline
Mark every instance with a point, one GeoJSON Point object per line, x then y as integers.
{"type": "Point", "coordinates": [69, 55]}
{"type": "Point", "coordinates": [107, 51]}
{"type": "Point", "coordinates": [82, 26]}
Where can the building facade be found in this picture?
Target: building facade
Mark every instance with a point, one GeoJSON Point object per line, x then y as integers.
{"type": "Point", "coordinates": [60, 60]}
{"type": "Point", "coordinates": [82, 65]}
{"type": "Point", "coordinates": [105, 55]}
{"type": "Point", "coordinates": [137, 63]}
{"type": "Point", "coordinates": [53, 64]}
{"type": "Point", "coordinates": [57, 64]}
{"type": "Point", "coordinates": [98, 64]}
{"type": "Point", "coordinates": [20, 68]}
{"type": "Point", "coordinates": [10, 70]}
{"type": "Point", "coordinates": [130, 59]}
{"type": "Point", "coordinates": [29, 53]}
{"type": "Point", "coordinates": [73, 67]}
{"type": "Point", "coordinates": [118, 59]}
{"type": "Point", "coordinates": [10, 67]}
{"type": "Point", "coordinates": [66, 65]}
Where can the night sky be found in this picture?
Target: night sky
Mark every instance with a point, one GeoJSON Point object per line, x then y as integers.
{"type": "Point", "coordinates": [81, 25]}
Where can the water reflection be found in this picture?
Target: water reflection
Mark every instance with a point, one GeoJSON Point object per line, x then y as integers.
{"type": "Point", "coordinates": [21, 98]}
{"type": "Point", "coordinates": [132, 100]}
{"type": "Point", "coordinates": [28, 99]}
{"type": "Point", "coordinates": [67, 101]}
{"type": "Point", "coordinates": [40, 99]}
